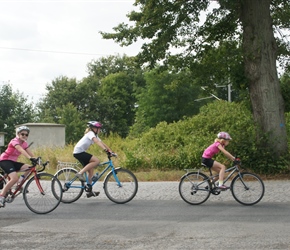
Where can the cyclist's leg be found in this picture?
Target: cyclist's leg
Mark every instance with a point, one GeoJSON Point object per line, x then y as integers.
{"type": "Point", "coordinates": [89, 162]}
{"type": "Point", "coordinates": [10, 168]}
{"type": "Point", "coordinates": [220, 168]}
{"type": "Point", "coordinates": [23, 168]}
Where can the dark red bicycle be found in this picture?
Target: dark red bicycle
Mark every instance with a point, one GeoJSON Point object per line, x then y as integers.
{"type": "Point", "coordinates": [42, 193]}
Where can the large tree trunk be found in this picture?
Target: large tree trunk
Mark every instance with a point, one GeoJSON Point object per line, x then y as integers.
{"type": "Point", "coordinates": [260, 54]}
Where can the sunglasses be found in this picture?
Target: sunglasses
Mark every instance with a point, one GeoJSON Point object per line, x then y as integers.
{"type": "Point", "coordinates": [24, 134]}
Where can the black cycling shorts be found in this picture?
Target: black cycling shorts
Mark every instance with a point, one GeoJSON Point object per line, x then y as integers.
{"type": "Point", "coordinates": [10, 166]}
{"type": "Point", "coordinates": [208, 162]}
{"type": "Point", "coordinates": [84, 158]}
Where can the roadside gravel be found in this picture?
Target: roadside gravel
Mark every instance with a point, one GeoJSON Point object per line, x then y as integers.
{"type": "Point", "coordinates": [275, 191]}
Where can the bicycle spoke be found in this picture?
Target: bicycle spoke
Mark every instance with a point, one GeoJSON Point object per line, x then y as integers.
{"type": "Point", "coordinates": [39, 195]}
{"type": "Point", "coordinates": [122, 191]}
{"type": "Point", "coordinates": [249, 190]}
{"type": "Point", "coordinates": [72, 191]}
{"type": "Point", "coordinates": [193, 188]}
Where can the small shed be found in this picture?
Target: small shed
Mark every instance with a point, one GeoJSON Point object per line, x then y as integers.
{"type": "Point", "coordinates": [46, 134]}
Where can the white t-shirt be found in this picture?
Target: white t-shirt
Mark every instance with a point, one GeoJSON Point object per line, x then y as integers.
{"type": "Point", "coordinates": [84, 143]}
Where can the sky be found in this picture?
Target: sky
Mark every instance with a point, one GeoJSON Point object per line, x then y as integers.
{"type": "Point", "coordinates": [41, 40]}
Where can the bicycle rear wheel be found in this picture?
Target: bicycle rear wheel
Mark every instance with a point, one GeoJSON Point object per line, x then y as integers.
{"type": "Point", "coordinates": [38, 194]}
{"type": "Point", "coordinates": [123, 192]}
{"type": "Point", "coordinates": [194, 188]}
{"type": "Point", "coordinates": [2, 181]}
{"type": "Point", "coordinates": [247, 190]}
{"type": "Point", "coordinates": [73, 191]}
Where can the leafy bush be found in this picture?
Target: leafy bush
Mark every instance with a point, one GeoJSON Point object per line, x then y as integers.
{"type": "Point", "coordinates": [180, 145]}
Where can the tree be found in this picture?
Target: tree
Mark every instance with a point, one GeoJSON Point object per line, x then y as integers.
{"type": "Point", "coordinates": [107, 95]}
{"type": "Point", "coordinates": [173, 34]}
{"type": "Point", "coordinates": [118, 114]}
{"type": "Point", "coordinates": [14, 110]}
{"type": "Point", "coordinates": [285, 85]}
{"type": "Point", "coordinates": [166, 97]}
{"type": "Point", "coordinates": [74, 126]}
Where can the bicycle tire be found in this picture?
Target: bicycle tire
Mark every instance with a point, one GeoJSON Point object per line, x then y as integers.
{"type": "Point", "coordinates": [71, 194]}
{"type": "Point", "coordinates": [250, 194]}
{"type": "Point", "coordinates": [42, 201]}
{"type": "Point", "coordinates": [2, 181]}
{"type": "Point", "coordinates": [124, 193]}
{"type": "Point", "coordinates": [194, 188]}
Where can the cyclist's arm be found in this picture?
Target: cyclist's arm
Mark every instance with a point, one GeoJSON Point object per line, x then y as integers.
{"type": "Point", "coordinates": [101, 144]}
{"type": "Point", "coordinates": [24, 152]}
{"type": "Point", "coordinates": [226, 153]}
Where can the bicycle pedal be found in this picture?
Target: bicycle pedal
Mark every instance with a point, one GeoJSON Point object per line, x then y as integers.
{"type": "Point", "coordinates": [92, 194]}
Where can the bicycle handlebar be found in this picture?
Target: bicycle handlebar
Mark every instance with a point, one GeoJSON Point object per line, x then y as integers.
{"type": "Point", "coordinates": [40, 163]}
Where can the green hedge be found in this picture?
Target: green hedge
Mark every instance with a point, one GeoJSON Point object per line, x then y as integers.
{"type": "Point", "coordinates": [180, 145]}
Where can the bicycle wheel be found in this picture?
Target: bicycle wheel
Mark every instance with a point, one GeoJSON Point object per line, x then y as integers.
{"type": "Point", "coordinates": [2, 181]}
{"type": "Point", "coordinates": [38, 195]}
{"type": "Point", "coordinates": [123, 192]}
{"type": "Point", "coordinates": [247, 190]}
{"type": "Point", "coordinates": [75, 191]}
{"type": "Point", "coordinates": [194, 188]}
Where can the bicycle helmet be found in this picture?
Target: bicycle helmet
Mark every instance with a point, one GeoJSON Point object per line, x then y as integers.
{"type": "Point", "coordinates": [224, 135]}
{"type": "Point", "coordinates": [94, 124]}
{"type": "Point", "coordinates": [21, 128]}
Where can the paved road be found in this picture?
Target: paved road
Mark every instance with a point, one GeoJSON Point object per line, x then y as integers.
{"type": "Point", "coordinates": [156, 219]}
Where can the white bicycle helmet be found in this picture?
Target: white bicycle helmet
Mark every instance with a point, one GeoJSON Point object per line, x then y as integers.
{"type": "Point", "coordinates": [21, 128]}
{"type": "Point", "coordinates": [94, 124]}
{"type": "Point", "coordinates": [224, 135]}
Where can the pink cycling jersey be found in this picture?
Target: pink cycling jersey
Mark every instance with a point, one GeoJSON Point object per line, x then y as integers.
{"type": "Point", "coordinates": [211, 150]}
{"type": "Point", "coordinates": [11, 153]}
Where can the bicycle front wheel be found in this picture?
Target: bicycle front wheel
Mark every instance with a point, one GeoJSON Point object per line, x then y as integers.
{"type": "Point", "coordinates": [120, 185]}
{"type": "Point", "coordinates": [71, 191]}
{"type": "Point", "coordinates": [194, 188]}
{"type": "Point", "coordinates": [38, 194]}
{"type": "Point", "coordinates": [248, 189]}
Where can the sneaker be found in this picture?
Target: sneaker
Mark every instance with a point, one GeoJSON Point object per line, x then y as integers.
{"type": "Point", "coordinates": [80, 177]}
{"type": "Point", "coordinates": [2, 201]}
{"type": "Point", "coordinates": [223, 187]}
{"type": "Point", "coordinates": [91, 194]}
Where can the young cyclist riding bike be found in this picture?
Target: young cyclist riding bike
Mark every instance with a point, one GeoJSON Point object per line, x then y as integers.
{"type": "Point", "coordinates": [222, 140]}
{"type": "Point", "coordinates": [87, 160]}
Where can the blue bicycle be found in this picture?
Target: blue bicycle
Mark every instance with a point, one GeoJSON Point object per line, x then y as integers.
{"type": "Point", "coordinates": [120, 185]}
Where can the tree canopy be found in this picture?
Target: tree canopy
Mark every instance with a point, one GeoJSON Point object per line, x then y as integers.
{"type": "Point", "coordinates": [174, 35]}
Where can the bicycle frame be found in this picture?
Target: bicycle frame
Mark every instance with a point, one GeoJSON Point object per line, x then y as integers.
{"type": "Point", "coordinates": [110, 166]}
{"type": "Point", "coordinates": [234, 169]}
{"type": "Point", "coordinates": [31, 171]}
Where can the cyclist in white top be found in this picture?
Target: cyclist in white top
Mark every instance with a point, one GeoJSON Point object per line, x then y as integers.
{"type": "Point", "coordinates": [87, 160]}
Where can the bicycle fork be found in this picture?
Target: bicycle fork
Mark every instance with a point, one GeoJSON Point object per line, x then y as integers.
{"type": "Point", "coordinates": [116, 178]}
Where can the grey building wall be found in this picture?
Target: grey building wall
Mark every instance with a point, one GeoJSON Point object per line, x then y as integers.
{"type": "Point", "coordinates": [46, 134]}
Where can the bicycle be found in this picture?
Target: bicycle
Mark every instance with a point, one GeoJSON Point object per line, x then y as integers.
{"type": "Point", "coordinates": [38, 193]}
{"type": "Point", "coordinates": [246, 188]}
{"type": "Point", "coordinates": [120, 185]}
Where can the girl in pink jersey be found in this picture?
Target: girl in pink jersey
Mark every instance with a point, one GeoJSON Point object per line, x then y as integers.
{"type": "Point", "coordinates": [222, 140]}
{"type": "Point", "coordinates": [8, 159]}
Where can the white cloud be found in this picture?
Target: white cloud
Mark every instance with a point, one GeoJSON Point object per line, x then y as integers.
{"type": "Point", "coordinates": [32, 30]}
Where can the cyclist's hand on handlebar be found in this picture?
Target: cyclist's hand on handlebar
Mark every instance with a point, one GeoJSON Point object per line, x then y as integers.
{"type": "Point", "coordinates": [110, 153]}
{"type": "Point", "coordinates": [237, 161]}
{"type": "Point", "coordinates": [34, 160]}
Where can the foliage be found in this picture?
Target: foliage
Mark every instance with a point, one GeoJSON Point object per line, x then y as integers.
{"type": "Point", "coordinates": [285, 86]}
{"type": "Point", "coordinates": [174, 35]}
{"type": "Point", "coordinates": [166, 97]}
{"type": "Point", "coordinates": [117, 92]}
{"type": "Point", "coordinates": [14, 110]}
{"type": "Point", "coordinates": [179, 145]}
{"type": "Point", "coordinates": [107, 95]}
